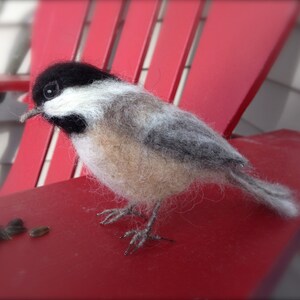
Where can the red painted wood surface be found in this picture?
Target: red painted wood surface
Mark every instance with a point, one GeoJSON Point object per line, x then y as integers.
{"type": "Point", "coordinates": [63, 162]}
{"type": "Point", "coordinates": [14, 83]}
{"type": "Point", "coordinates": [226, 245]}
{"type": "Point", "coordinates": [104, 25]}
{"type": "Point", "coordinates": [97, 50]}
{"type": "Point", "coordinates": [48, 46]}
{"type": "Point", "coordinates": [135, 38]}
{"type": "Point", "coordinates": [178, 29]}
{"type": "Point", "coordinates": [240, 41]}
{"type": "Point", "coordinates": [139, 24]}
{"type": "Point", "coordinates": [212, 77]}
{"type": "Point", "coordinates": [136, 33]}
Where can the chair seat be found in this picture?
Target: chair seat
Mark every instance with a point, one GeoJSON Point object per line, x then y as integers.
{"type": "Point", "coordinates": [226, 246]}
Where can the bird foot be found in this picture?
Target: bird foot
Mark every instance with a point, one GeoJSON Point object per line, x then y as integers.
{"type": "Point", "coordinates": [139, 237]}
{"type": "Point", "coordinates": [115, 214]}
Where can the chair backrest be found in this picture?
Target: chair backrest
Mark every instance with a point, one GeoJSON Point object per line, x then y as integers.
{"type": "Point", "coordinates": [225, 67]}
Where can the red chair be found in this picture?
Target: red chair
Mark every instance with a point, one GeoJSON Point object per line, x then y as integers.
{"type": "Point", "coordinates": [239, 43]}
{"type": "Point", "coordinates": [237, 46]}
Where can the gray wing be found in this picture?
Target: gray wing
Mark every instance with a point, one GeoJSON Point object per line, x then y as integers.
{"type": "Point", "coordinates": [183, 137]}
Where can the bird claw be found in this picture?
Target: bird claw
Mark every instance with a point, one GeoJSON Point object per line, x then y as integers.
{"type": "Point", "coordinates": [116, 214]}
{"type": "Point", "coordinates": [139, 238]}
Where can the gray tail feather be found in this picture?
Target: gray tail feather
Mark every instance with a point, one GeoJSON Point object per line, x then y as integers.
{"type": "Point", "coordinates": [273, 195]}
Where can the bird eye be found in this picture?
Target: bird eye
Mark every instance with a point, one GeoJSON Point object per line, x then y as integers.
{"type": "Point", "coordinates": [51, 90]}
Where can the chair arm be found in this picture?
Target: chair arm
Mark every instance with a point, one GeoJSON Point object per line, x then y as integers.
{"type": "Point", "coordinates": [14, 83]}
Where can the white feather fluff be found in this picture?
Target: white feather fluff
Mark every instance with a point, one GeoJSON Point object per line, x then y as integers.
{"type": "Point", "coordinates": [73, 100]}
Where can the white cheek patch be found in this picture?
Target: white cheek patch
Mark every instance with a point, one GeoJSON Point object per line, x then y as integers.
{"type": "Point", "coordinates": [90, 100]}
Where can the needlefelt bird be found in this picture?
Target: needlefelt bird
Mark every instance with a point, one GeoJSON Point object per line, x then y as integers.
{"type": "Point", "coordinates": [142, 148]}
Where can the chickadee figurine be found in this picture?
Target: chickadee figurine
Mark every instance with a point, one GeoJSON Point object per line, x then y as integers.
{"type": "Point", "coordinates": [142, 148]}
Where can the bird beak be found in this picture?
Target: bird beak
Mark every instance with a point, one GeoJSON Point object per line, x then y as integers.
{"type": "Point", "coordinates": [31, 113]}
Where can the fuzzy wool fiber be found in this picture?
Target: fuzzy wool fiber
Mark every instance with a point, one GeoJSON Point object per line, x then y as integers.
{"type": "Point", "coordinates": [142, 148]}
{"type": "Point", "coordinates": [146, 150]}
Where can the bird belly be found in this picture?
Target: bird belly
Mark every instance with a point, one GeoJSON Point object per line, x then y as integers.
{"type": "Point", "coordinates": [131, 169]}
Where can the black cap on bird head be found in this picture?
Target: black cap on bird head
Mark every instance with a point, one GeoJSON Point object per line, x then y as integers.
{"type": "Point", "coordinates": [54, 80]}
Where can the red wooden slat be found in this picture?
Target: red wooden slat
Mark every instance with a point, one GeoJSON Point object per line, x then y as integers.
{"type": "Point", "coordinates": [63, 161]}
{"type": "Point", "coordinates": [55, 35]}
{"type": "Point", "coordinates": [225, 247]}
{"type": "Point", "coordinates": [56, 32]}
{"type": "Point", "coordinates": [102, 32]}
{"type": "Point", "coordinates": [14, 83]}
{"type": "Point", "coordinates": [135, 38]}
{"type": "Point", "coordinates": [237, 48]}
{"type": "Point", "coordinates": [176, 36]}
{"type": "Point", "coordinates": [96, 51]}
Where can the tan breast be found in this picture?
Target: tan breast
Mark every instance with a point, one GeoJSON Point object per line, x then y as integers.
{"type": "Point", "coordinates": [131, 169]}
